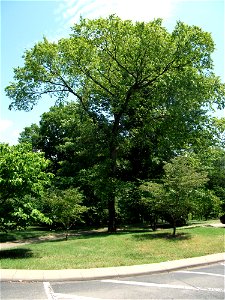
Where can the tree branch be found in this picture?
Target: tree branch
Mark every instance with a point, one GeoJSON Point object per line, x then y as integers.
{"type": "Point", "coordinates": [97, 82]}
{"type": "Point", "coordinates": [118, 63]}
{"type": "Point", "coordinates": [167, 67]}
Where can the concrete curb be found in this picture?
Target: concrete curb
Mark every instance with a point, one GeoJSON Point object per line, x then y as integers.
{"type": "Point", "coordinates": [100, 273]}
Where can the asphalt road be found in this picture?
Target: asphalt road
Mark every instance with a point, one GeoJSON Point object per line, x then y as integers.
{"type": "Point", "coordinates": [196, 283]}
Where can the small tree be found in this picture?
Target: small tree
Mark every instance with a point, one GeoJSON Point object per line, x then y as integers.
{"type": "Point", "coordinates": [23, 178]}
{"type": "Point", "coordinates": [66, 207]}
{"type": "Point", "coordinates": [175, 197]}
{"type": "Point", "coordinates": [183, 176]}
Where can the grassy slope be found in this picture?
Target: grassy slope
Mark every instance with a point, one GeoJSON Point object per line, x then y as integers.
{"type": "Point", "coordinates": [124, 248]}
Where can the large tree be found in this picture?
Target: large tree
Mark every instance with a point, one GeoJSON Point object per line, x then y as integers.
{"type": "Point", "coordinates": [126, 75]}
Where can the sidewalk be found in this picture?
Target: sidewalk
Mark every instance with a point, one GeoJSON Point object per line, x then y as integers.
{"type": "Point", "coordinates": [99, 273]}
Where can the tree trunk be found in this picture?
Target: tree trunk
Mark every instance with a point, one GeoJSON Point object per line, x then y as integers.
{"type": "Point", "coordinates": [111, 202]}
{"type": "Point", "coordinates": [174, 228]}
{"type": "Point", "coordinates": [154, 224]}
{"type": "Point", "coordinates": [112, 176]}
{"type": "Point", "coordinates": [67, 233]}
{"type": "Point", "coordinates": [112, 214]}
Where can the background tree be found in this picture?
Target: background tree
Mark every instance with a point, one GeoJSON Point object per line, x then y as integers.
{"type": "Point", "coordinates": [75, 146]}
{"type": "Point", "coordinates": [153, 196]}
{"type": "Point", "coordinates": [31, 135]}
{"type": "Point", "coordinates": [121, 80]}
{"type": "Point", "coordinates": [22, 182]}
{"type": "Point", "coordinates": [206, 204]}
{"type": "Point", "coordinates": [213, 159]}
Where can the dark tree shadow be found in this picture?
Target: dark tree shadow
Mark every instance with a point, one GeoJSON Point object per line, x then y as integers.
{"type": "Point", "coordinates": [138, 235]}
{"type": "Point", "coordinates": [15, 235]}
{"type": "Point", "coordinates": [88, 235]}
{"type": "Point", "coordinates": [16, 253]}
{"type": "Point", "coordinates": [163, 235]}
{"type": "Point", "coordinates": [5, 237]}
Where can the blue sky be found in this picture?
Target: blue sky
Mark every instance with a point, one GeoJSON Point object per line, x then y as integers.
{"type": "Point", "coordinates": [23, 23]}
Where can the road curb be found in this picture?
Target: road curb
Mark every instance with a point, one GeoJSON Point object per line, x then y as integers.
{"type": "Point", "coordinates": [103, 273]}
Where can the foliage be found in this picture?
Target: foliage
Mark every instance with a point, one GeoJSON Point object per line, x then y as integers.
{"type": "Point", "coordinates": [136, 80]}
{"type": "Point", "coordinates": [213, 159]}
{"type": "Point", "coordinates": [207, 204]}
{"type": "Point", "coordinates": [153, 196]}
{"type": "Point", "coordinates": [219, 125]}
{"type": "Point", "coordinates": [69, 139]}
{"type": "Point", "coordinates": [22, 182]}
{"type": "Point", "coordinates": [129, 207]}
{"type": "Point", "coordinates": [75, 146]}
{"type": "Point", "coordinates": [65, 207]}
{"type": "Point", "coordinates": [175, 197]}
{"type": "Point", "coordinates": [30, 135]}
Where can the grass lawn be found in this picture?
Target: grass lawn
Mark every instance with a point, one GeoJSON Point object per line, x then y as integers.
{"type": "Point", "coordinates": [127, 247]}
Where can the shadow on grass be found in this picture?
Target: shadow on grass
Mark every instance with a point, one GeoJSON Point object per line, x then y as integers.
{"type": "Point", "coordinates": [4, 237]}
{"type": "Point", "coordinates": [15, 235]}
{"type": "Point", "coordinates": [137, 233]}
{"type": "Point", "coordinates": [146, 234]}
{"type": "Point", "coordinates": [16, 253]}
{"type": "Point", "coordinates": [163, 235]}
{"type": "Point", "coordinates": [89, 234]}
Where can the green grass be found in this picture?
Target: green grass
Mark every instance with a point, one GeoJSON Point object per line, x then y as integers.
{"type": "Point", "coordinates": [29, 233]}
{"type": "Point", "coordinates": [129, 247]}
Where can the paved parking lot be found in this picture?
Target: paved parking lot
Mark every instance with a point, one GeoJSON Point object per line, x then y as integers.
{"type": "Point", "coordinates": [196, 283]}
